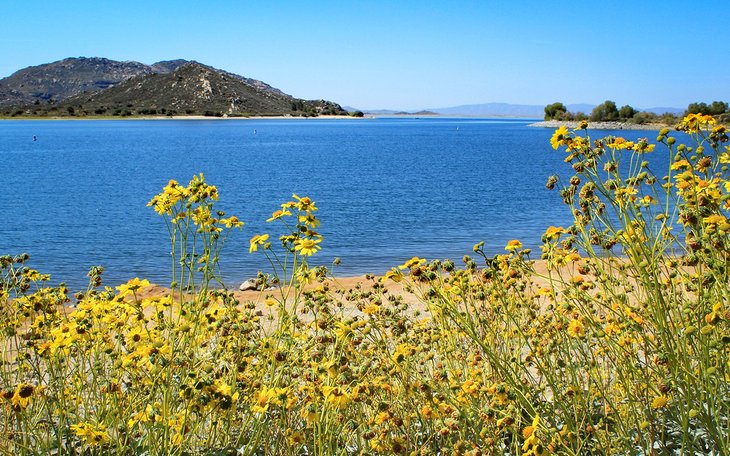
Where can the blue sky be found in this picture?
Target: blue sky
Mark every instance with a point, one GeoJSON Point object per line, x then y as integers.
{"type": "Point", "coordinates": [404, 54]}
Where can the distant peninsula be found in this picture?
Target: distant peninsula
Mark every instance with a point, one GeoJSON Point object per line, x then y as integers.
{"type": "Point", "coordinates": [99, 87]}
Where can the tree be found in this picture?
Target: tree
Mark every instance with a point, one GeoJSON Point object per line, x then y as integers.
{"type": "Point", "coordinates": [555, 111]}
{"type": "Point", "coordinates": [605, 111]}
{"type": "Point", "coordinates": [714, 109]}
{"type": "Point", "coordinates": [626, 112]}
{"type": "Point", "coordinates": [717, 108]}
{"type": "Point", "coordinates": [644, 118]}
{"type": "Point", "coordinates": [698, 108]}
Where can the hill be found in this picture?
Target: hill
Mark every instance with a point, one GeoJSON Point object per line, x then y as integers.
{"type": "Point", "coordinates": [56, 81]}
{"type": "Point", "coordinates": [98, 86]}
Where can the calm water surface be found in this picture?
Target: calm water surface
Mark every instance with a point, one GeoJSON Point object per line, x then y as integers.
{"type": "Point", "coordinates": [387, 189]}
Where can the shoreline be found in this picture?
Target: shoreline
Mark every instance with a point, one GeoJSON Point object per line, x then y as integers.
{"type": "Point", "coordinates": [345, 283]}
{"type": "Point", "coordinates": [573, 124]}
{"type": "Point", "coordinates": [193, 117]}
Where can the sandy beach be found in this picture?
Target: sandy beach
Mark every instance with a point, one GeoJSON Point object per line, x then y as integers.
{"type": "Point", "coordinates": [360, 282]}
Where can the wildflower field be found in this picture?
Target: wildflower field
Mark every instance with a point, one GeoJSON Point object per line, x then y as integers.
{"type": "Point", "coordinates": [618, 344]}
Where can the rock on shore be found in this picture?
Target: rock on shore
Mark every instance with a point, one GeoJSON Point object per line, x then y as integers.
{"type": "Point", "coordinates": [599, 125]}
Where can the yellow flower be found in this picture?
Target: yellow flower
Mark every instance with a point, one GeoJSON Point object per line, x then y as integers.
{"type": "Point", "coordinates": [132, 286]}
{"type": "Point", "coordinates": [512, 245]}
{"type": "Point", "coordinates": [304, 204]}
{"type": "Point", "coordinates": [232, 222]}
{"type": "Point", "coordinates": [307, 247]}
{"type": "Point", "coordinates": [337, 396]}
{"type": "Point", "coordinates": [659, 402]}
{"type": "Point", "coordinates": [715, 219]}
{"type": "Point", "coordinates": [694, 123]}
{"type": "Point", "coordinates": [90, 434]}
{"type": "Point", "coordinates": [680, 164]}
{"type": "Point", "coordinates": [403, 350]}
{"type": "Point", "coordinates": [559, 138]}
{"type": "Point", "coordinates": [256, 241]}
{"type": "Point", "coordinates": [278, 214]}
{"type": "Point", "coordinates": [415, 261]}
{"type": "Point", "coordinates": [505, 421]}
{"type": "Point", "coordinates": [427, 411]}
{"type": "Point", "coordinates": [620, 144]}
{"type": "Point", "coordinates": [267, 397]}
{"type": "Point", "coordinates": [371, 309]}
{"type": "Point", "coordinates": [576, 329]}
{"type": "Point", "coordinates": [222, 388]}
{"type": "Point", "coordinates": [394, 274]}
{"type": "Point", "coordinates": [22, 395]}
{"type": "Point", "coordinates": [724, 158]}
{"type": "Point", "coordinates": [294, 437]}
{"type": "Point", "coordinates": [553, 232]}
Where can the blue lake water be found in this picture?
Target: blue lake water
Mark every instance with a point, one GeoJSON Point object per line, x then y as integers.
{"type": "Point", "coordinates": [387, 189]}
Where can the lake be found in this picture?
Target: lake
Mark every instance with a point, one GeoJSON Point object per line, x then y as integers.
{"type": "Point", "coordinates": [387, 188]}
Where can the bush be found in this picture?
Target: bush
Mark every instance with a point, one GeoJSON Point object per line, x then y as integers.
{"type": "Point", "coordinates": [642, 118]}
{"type": "Point", "coordinates": [626, 112]}
{"type": "Point", "coordinates": [714, 109]}
{"type": "Point", "coordinates": [555, 111]}
{"type": "Point", "coordinates": [605, 112]}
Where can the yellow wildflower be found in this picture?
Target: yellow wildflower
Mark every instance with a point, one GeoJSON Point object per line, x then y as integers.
{"type": "Point", "coordinates": [694, 123]}
{"type": "Point", "coordinates": [336, 395]}
{"type": "Point", "coordinates": [90, 434]}
{"type": "Point", "coordinates": [403, 350]}
{"type": "Point", "coordinates": [132, 286]}
{"type": "Point", "coordinates": [307, 247]}
{"type": "Point", "coordinates": [304, 204]}
{"type": "Point", "coordinates": [22, 395]}
{"type": "Point", "coordinates": [620, 144]}
{"type": "Point", "coordinates": [715, 219]}
{"type": "Point", "coordinates": [232, 221]}
{"type": "Point", "coordinates": [415, 261]}
{"type": "Point", "coordinates": [278, 214]}
{"type": "Point", "coordinates": [659, 402]}
{"type": "Point", "coordinates": [394, 274]}
{"type": "Point", "coordinates": [512, 245]}
{"type": "Point", "coordinates": [680, 164]}
{"type": "Point", "coordinates": [553, 232]}
{"type": "Point", "coordinates": [576, 329]}
{"type": "Point", "coordinates": [560, 137]}
{"type": "Point", "coordinates": [256, 241]}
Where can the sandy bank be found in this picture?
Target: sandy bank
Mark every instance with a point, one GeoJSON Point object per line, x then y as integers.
{"type": "Point", "coordinates": [345, 284]}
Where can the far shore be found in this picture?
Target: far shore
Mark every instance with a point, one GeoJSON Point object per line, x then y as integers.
{"type": "Point", "coordinates": [600, 125]}
{"type": "Point", "coordinates": [183, 117]}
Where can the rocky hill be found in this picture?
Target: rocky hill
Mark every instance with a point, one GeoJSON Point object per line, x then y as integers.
{"type": "Point", "coordinates": [99, 87]}
{"type": "Point", "coordinates": [54, 82]}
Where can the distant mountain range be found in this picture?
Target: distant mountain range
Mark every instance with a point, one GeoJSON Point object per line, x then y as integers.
{"type": "Point", "coordinates": [510, 110]}
{"type": "Point", "coordinates": [98, 86]}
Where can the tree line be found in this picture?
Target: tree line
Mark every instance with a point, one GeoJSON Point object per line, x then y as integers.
{"type": "Point", "coordinates": [609, 112]}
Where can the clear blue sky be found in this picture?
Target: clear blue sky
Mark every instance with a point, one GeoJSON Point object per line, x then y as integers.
{"type": "Point", "coordinates": [404, 54]}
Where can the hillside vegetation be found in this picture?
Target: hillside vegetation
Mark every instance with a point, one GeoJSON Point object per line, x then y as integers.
{"type": "Point", "coordinates": [100, 87]}
{"type": "Point", "coordinates": [609, 112]}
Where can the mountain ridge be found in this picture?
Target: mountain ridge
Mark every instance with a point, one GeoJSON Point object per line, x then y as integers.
{"type": "Point", "coordinates": [97, 86]}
